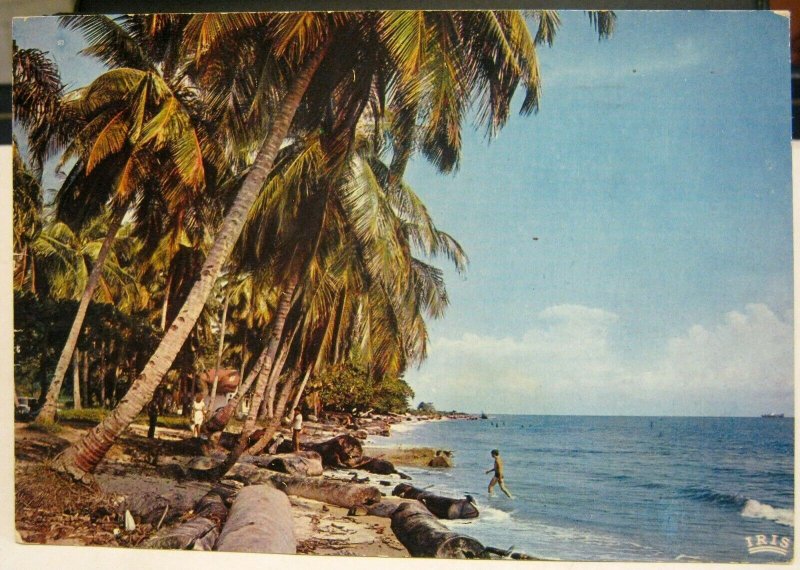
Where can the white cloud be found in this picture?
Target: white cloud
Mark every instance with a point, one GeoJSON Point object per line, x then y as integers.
{"type": "Point", "coordinates": [566, 363]}
{"type": "Point", "coordinates": [743, 365]}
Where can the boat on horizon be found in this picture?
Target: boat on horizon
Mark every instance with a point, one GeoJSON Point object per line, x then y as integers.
{"type": "Point", "coordinates": [773, 415]}
{"type": "Point", "coordinates": [484, 416]}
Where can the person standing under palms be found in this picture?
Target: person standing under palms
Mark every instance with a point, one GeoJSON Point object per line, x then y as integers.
{"type": "Point", "coordinates": [297, 427]}
{"type": "Point", "coordinates": [198, 414]}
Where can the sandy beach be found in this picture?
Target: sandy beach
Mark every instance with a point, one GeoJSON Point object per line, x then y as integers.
{"type": "Point", "coordinates": [148, 478]}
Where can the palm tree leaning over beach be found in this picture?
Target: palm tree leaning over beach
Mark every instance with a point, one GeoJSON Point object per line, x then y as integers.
{"type": "Point", "coordinates": [365, 292]}
{"type": "Point", "coordinates": [438, 61]}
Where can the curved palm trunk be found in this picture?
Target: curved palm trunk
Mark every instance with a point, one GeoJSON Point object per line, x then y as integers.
{"type": "Point", "coordinates": [296, 401]}
{"type": "Point", "coordinates": [165, 306]}
{"type": "Point", "coordinates": [213, 396]}
{"type": "Point", "coordinates": [48, 412]}
{"type": "Point", "coordinates": [276, 333]}
{"type": "Point", "coordinates": [274, 375]}
{"type": "Point", "coordinates": [85, 379]}
{"type": "Point", "coordinates": [219, 420]}
{"type": "Point", "coordinates": [76, 380]}
{"type": "Point", "coordinates": [81, 459]}
{"type": "Point", "coordinates": [280, 411]}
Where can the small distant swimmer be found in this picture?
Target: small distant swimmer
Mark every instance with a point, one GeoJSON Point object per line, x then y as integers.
{"type": "Point", "coordinates": [498, 475]}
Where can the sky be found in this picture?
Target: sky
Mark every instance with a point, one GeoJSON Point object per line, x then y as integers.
{"type": "Point", "coordinates": [656, 178]}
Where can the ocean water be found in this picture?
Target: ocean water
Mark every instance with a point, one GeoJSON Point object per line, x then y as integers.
{"type": "Point", "coordinates": [619, 488]}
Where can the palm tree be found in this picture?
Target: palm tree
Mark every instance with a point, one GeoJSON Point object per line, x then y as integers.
{"type": "Point", "coordinates": [366, 56]}
{"type": "Point", "coordinates": [28, 204]}
{"type": "Point", "coordinates": [137, 135]}
{"type": "Point", "coordinates": [361, 248]}
{"type": "Point", "coordinates": [38, 107]}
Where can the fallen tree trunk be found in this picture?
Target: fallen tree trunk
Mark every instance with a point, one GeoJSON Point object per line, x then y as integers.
{"type": "Point", "coordinates": [212, 507]}
{"type": "Point", "coordinates": [333, 492]}
{"type": "Point", "coordinates": [341, 452]}
{"type": "Point", "coordinates": [380, 467]}
{"type": "Point", "coordinates": [384, 509]}
{"type": "Point", "coordinates": [442, 507]}
{"type": "Point", "coordinates": [304, 464]}
{"type": "Point", "coordinates": [424, 536]}
{"type": "Point", "coordinates": [184, 536]}
{"type": "Point", "coordinates": [198, 533]}
{"type": "Point", "coordinates": [152, 508]}
{"type": "Point", "coordinates": [260, 521]}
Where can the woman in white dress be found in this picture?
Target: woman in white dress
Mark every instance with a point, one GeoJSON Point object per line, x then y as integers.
{"type": "Point", "coordinates": [198, 414]}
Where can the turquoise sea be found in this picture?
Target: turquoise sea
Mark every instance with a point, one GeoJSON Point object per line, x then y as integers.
{"type": "Point", "coordinates": [621, 488]}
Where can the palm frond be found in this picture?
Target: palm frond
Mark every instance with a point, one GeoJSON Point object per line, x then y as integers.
{"type": "Point", "coordinates": [109, 41]}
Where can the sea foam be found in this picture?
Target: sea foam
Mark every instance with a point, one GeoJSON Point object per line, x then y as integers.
{"type": "Point", "coordinates": [755, 510]}
{"type": "Point", "coordinates": [490, 514]}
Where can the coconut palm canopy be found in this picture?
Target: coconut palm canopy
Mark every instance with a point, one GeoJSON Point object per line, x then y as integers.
{"type": "Point", "coordinates": [248, 172]}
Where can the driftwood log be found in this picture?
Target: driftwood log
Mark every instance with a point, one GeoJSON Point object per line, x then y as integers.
{"type": "Point", "coordinates": [383, 509]}
{"type": "Point", "coordinates": [424, 536]}
{"type": "Point", "coordinates": [442, 507]}
{"type": "Point", "coordinates": [304, 464]}
{"type": "Point", "coordinates": [331, 491]}
{"type": "Point", "coordinates": [198, 533]}
{"type": "Point", "coordinates": [185, 536]}
{"type": "Point", "coordinates": [150, 507]}
{"type": "Point", "coordinates": [341, 452]}
{"type": "Point", "coordinates": [380, 467]}
{"type": "Point", "coordinates": [260, 521]}
{"type": "Point", "coordinates": [212, 506]}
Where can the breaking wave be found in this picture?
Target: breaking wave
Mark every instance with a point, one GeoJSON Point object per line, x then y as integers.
{"type": "Point", "coordinates": [755, 510]}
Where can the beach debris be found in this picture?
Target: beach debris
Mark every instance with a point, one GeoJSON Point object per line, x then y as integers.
{"type": "Point", "coordinates": [380, 466]}
{"type": "Point", "coordinates": [304, 463]}
{"type": "Point", "coordinates": [442, 507]}
{"type": "Point", "coordinates": [424, 536]}
{"type": "Point", "coordinates": [161, 520]}
{"type": "Point", "coordinates": [357, 511]}
{"type": "Point", "coordinates": [184, 536]}
{"type": "Point", "coordinates": [489, 552]}
{"type": "Point", "coordinates": [212, 506]}
{"type": "Point", "coordinates": [341, 452]}
{"type": "Point", "coordinates": [356, 479]}
{"type": "Point", "coordinates": [331, 491]}
{"type": "Point", "coordinates": [442, 459]}
{"type": "Point", "coordinates": [260, 521]}
{"type": "Point", "coordinates": [383, 509]}
{"type": "Point", "coordinates": [199, 526]}
{"type": "Point", "coordinates": [202, 463]}
{"type": "Point", "coordinates": [130, 524]}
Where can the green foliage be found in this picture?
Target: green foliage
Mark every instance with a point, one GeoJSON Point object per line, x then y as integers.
{"type": "Point", "coordinates": [426, 407]}
{"type": "Point", "coordinates": [173, 422]}
{"type": "Point", "coordinates": [392, 395]}
{"type": "Point", "coordinates": [45, 427]}
{"type": "Point", "coordinates": [40, 331]}
{"type": "Point", "coordinates": [347, 387]}
{"type": "Point", "coordinates": [91, 416]}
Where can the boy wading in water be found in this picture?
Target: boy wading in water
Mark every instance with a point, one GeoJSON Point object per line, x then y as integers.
{"type": "Point", "coordinates": [498, 475]}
